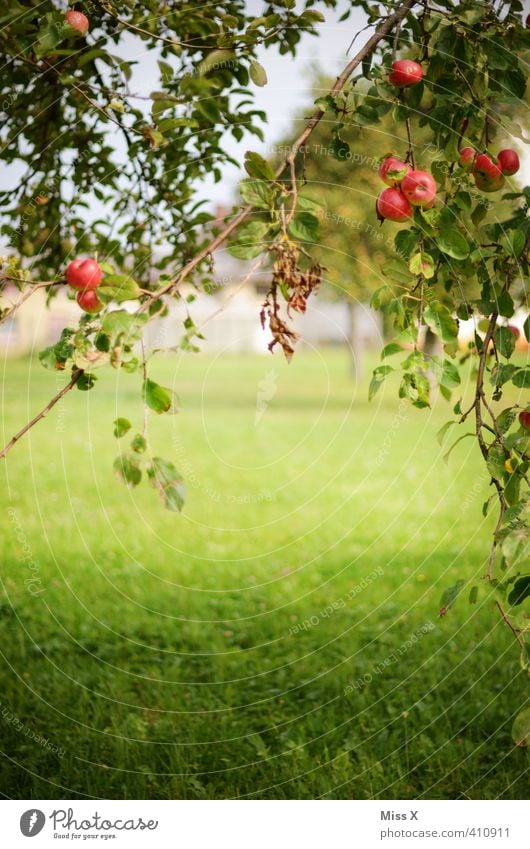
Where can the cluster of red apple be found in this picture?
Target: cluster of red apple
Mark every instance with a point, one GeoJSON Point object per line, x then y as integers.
{"type": "Point", "coordinates": [489, 174]}
{"type": "Point", "coordinates": [78, 21]}
{"type": "Point", "coordinates": [408, 188]}
{"type": "Point", "coordinates": [85, 275]}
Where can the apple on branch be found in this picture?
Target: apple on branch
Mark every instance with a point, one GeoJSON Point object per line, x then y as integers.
{"type": "Point", "coordinates": [89, 301]}
{"type": "Point", "coordinates": [405, 72]}
{"type": "Point", "coordinates": [487, 174]}
{"type": "Point", "coordinates": [392, 170]}
{"type": "Point", "coordinates": [467, 157]}
{"type": "Point", "coordinates": [524, 419]}
{"type": "Point", "coordinates": [77, 21]}
{"type": "Point", "coordinates": [393, 204]}
{"type": "Point", "coordinates": [419, 187]}
{"type": "Point", "coordinates": [84, 274]}
{"type": "Point", "coordinates": [508, 162]}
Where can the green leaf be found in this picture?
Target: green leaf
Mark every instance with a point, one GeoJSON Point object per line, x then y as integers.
{"type": "Point", "coordinates": [339, 148]}
{"type": "Point", "coordinates": [513, 242]}
{"type": "Point", "coordinates": [257, 166]}
{"type": "Point", "coordinates": [415, 386]}
{"type": "Point", "coordinates": [250, 241]}
{"type": "Point", "coordinates": [121, 426]}
{"type": "Point", "coordinates": [49, 36]}
{"type": "Point", "coordinates": [397, 270]}
{"type": "Point", "coordinates": [378, 377]}
{"type": "Point", "coordinates": [127, 469]}
{"type": "Point", "coordinates": [139, 444]}
{"type": "Point", "coordinates": [450, 377]}
{"type": "Point", "coordinates": [450, 595]}
{"type": "Point", "coordinates": [258, 74]}
{"type": "Point", "coordinates": [209, 110]}
{"type": "Point", "coordinates": [422, 263]}
{"type": "Point", "coordinates": [521, 378]}
{"type": "Point", "coordinates": [311, 205]}
{"type": "Point", "coordinates": [473, 595]}
{"type": "Point", "coordinates": [505, 341]}
{"type": "Point", "coordinates": [119, 287]}
{"type": "Point", "coordinates": [446, 456]}
{"type": "Point", "coordinates": [497, 457]}
{"type": "Point", "coordinates": [391, 348]}
{"type": "Point", "coordinates": [159, 398]}
{"type": "Point", "coordinates": [118, 322]}
{"type": "Point", "coordinates": [216, 60]}
{"type": "Point", "coordinates": [478, 214]}
{"type": "Point", "coordinates": [86, 381]}
{"type": "Point", "coordinates": [502, 373]}
{"type": "Point", "coordinates": [521, 728]}
{"type": "Point", "coordinates": [505, 305]}
{"type": "Point", "coordinates": [102, 343]}
{"type": "Point", "coordinates": [506, 419]}
{"type": "Point", "coordinates": [526, 328]}
{"type": "Point", "coordinates": [326, 103]}
{"type": "Point", "coordinates": [405, 242]}
{"type": "Point", "coordinates": [441, 322]}
{"type": "Point", "coordinates": [453, 243]}
{"type": "Point", "coordinates": [164, 477]}
{"type": "Point", "coordinates": [520, 591]}
{"type": "Point", "coordinates": [258, 193]}
{"type": "Point", "coordinates": [512, 489]}
{"type": "Point", "coordinates": [304, 226]}
{"type": "Point", "coordinates": [440, 436]}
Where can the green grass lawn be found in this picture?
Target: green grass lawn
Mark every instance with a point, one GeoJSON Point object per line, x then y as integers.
{"type": "Point", "coordinates": [214, 654]}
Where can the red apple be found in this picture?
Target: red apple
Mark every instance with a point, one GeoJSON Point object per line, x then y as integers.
{"type": "Point", "coordinates": [467, 157]}
{"type": "Point", "coordinates": [514, 330]}
{"type": "Point", "coordinates": [508, 162]}
{"type": "Point", "coordinates": [83, 274]}
{"type": "Point", "coordinates": [89, 301]}
{"type": "Point", "coordinates": [524, 419]}
{"type": "Point", "coordinates": [78, 21]}
{"type": "Point", "coordinates": [486, 167]}
{"type": "Point", "coordinates": [404, 73]}
{"type": "Point", "coordinates": [392, 204]}
{"type": "Point", "coordinates": [419, 187]}
{"type": "Point", "coordinates": [488, 176]}
{"type": "Point", "coordinates": [392, 170]}
{"type": "Point", "coordinates": [486, 184]}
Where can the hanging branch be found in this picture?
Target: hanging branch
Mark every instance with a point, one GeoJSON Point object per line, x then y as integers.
{"type": "Point", "coordinates": [43, 413]}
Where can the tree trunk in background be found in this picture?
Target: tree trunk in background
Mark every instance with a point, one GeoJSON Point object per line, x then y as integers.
{"type": "Point", "coordinates": [431, 343]}
{"type": "Point", "coordinates": [356, 344]}
{"type": "Point", "coordinates": [431, 347]}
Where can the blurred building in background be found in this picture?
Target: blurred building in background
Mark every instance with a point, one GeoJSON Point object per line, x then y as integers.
{"type": "Point", "coordinates": [229, 318]}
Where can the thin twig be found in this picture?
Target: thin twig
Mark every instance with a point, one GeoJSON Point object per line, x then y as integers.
{"type": "Point", "coordinates": [232, 295]}
{"type": "Point", "coordinates": [144, 371]}
{"type": "Point", "coordinates": [515, 631]}
{"type": "Point", "coordinates": [27, 294]}
{"type": "Point", "coordinates": [42, 414]}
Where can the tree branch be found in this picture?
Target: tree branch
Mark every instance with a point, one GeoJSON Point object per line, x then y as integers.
{"type": "Point", "coordinates": [385, 28]}
{"type": "Point", "coordinates": [43, 413]}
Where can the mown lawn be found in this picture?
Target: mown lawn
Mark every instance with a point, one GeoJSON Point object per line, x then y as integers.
{"type": "Point", "coordinates": [214, 654]}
